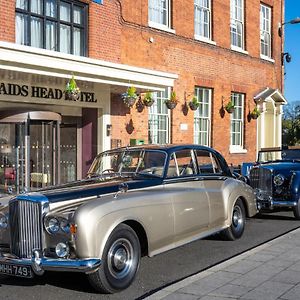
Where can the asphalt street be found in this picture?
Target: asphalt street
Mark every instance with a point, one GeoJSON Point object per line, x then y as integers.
{"type": "Point", "coordinates": [155, 272]}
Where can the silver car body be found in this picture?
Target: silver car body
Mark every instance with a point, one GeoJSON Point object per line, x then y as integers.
{"type": "Point", "coordinates": [166, 212]}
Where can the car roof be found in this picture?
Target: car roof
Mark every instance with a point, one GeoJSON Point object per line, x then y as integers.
{"type": "Point", "coordinates": [165, 147]}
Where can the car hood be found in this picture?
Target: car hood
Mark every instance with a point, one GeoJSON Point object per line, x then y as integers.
{"type": "Point", "coordinates": [88, 188]}
{"type": "Point", "coordinates": [281, 166]}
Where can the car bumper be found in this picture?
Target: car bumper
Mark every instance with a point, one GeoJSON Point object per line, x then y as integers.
{"type": "Point", "coordinates": [40, 264]}
{"type": "Point", "coordinates": [273, 204]}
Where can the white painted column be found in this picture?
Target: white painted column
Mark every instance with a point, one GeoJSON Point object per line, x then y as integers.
{"type": "Point", "coordinates": [279, 125]}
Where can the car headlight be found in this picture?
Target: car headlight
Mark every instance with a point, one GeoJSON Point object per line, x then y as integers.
{"type": "Point", "coordinates": [52, 225]}
{"type": "Point", "coordinates": [65, 225]}
{"type": "Point", "coordinates": [3, 221]}
{"type": "Point", "coordinates": [62, 250]}
{"type": "Point", "coordinates": [278, 179]}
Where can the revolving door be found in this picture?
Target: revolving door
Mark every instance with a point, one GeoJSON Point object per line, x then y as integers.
{"type": "Point", "coordinates": [29, 151]}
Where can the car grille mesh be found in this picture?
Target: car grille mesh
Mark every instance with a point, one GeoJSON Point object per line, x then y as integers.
{"type": "Point", "coordinates": [25, 227]}
{"type": "Point", "coordinates": [261, 178]}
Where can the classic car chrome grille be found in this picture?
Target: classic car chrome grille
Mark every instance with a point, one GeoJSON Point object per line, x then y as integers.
{"type": "Point", "coordinates": [261, 178]}
{"type": "Point", "coordinates": [25, 227]}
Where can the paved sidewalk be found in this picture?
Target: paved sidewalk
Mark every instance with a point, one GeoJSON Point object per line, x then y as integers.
{"type": "Point", "coordinates": [269, 271]}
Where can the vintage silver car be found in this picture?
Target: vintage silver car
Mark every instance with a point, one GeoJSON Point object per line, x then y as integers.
{"type": "Point", "coordinates": [135, 201]}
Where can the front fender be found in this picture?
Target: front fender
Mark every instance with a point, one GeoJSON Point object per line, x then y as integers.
{"type": "Point", "coordinates": [152, 209]}
{"type": "Point", "coordinates": [295, 184]}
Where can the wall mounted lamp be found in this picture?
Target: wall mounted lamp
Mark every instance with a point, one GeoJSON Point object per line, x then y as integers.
{"type": "Point", "coordinates": [280, 25]}
{"type": "Point", "coordinates": [286, 56]}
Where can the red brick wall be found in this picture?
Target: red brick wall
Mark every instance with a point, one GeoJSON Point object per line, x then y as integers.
{"type": "Point", "coordinates": [105, 31]}
{"type": "Point", "coordinates": [7, 21]}
{"type": "Point", "coordinates": [118, 32]}
{"type": "Point", "coordinates": [201, 64]}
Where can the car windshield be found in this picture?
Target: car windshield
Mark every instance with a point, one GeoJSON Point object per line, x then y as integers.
{"type": "Point", "coordinates": [272, 155]}
{"type": "Point", "coordinates": [125, 162]}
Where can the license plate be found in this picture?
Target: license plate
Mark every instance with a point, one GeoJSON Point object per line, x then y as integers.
{"type": "Point", "coordinates": [15, 270]}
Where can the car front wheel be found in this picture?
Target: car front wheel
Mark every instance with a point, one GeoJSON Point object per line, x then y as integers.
{"type": "Point", "coordinates": [238, 222]}
{"type": "Point", "coordinates": [296, 211]}
{"type": "Point", "coordinates": [120, 261]}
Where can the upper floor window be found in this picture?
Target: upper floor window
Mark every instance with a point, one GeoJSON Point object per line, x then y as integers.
{"type": "Point", "coordinates": [159, 119]}
{"type": "Point", "coordinates": [237, 122]}
{"type": "Point", "coordinates": [237, 23]}
{"type": "Point", "coordinates": [202, 117]}
{"type": "Point", "coordinates": [202, 18]}
{"type": "Point", "coordinates": [52, 24]}
{"type": "Point", "coordinates": [265, 30]}
{"type": "Point", "coordinates": [159, 12]}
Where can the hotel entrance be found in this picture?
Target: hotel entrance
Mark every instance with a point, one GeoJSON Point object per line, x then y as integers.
{"type": "Point", "coordinates": [30, 151]}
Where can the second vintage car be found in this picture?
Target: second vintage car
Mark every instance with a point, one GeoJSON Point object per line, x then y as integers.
{"type": "Point", "coordinates": [276, 180]}
{"type": "Point", "coordinates": [135, 201]}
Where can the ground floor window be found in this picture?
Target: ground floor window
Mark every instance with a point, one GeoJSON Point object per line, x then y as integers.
{"type": "Point", "coordinates": [158, 125]}
{"type": "Point", "coordinates": [202, 116]}
{"type": "Point", "coordinates": [237, 121]}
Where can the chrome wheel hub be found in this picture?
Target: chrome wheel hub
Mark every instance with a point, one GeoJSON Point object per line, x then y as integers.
{"type": "Point", "coordinates": [237, 217]}
{"type": "Point", "coordinates": [120, 258]}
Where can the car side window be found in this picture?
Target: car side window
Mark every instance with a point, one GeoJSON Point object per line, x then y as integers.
{"type": "Point", "coordinates": [207, 163]}
{"type": "Point", "coordinates": [182, 163]}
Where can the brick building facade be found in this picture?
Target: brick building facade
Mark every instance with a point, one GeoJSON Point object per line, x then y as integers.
{"type": "Point", "coordinates": [220, 51]}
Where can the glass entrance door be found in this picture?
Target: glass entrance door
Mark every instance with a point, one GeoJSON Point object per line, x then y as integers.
{"type": "Point", "coordinates": [29, 152]}
{"type": "Point", "coordinates": [43, 154]}
{"type": "Point", "coordinates": [12, 157]}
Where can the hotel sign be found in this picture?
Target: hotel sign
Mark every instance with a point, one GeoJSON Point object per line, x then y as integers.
{"type": "Point", "coordinates": [13, 89]}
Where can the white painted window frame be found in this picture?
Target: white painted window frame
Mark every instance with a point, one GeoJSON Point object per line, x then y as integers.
{"type": "Point", "coordinates": [198, 116]}
{"type": "Point", "coordinates": [154, 5]}
{"type": "Point", "coordinates": [265, 29]}
{"type": "Point", "coordinates": [201, 9]}
{"type": "Point", "coordinates": [237, 148]}
{"type": "Point", "coordinates": [153, 130]}
{"type": "Point", "coordinates": [235, 20]}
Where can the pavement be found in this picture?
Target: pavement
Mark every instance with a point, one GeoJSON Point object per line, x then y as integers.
{"type": "Point", "coordinates": [269, 271]}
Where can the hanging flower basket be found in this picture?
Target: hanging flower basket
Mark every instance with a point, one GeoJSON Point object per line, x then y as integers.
{"type": "Point", "coordinates": [72, 91]}
{"type": "Point", "coordinates": [148, 99]}
{"type": "Point", "coordinates": [130, 96]}
{"type": "Point", "coordinates": [229, 107]}
{"type": "Point", "coordinates": [194, 103]}
{"type": "Point", "coordinates": [172, 102]}
{"type": "Point", "coordinates": [255, 113]}
{"type": "Point", "coordinates": [170, 105]}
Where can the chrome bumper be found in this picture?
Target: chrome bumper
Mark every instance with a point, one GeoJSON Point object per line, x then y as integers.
{"type": "Point", "coordinates": [41, 264]}
{"type": "Point", "coordinates": [272, 204]}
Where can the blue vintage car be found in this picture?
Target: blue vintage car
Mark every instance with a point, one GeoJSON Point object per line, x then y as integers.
{"type": "Point", "coordinates": [276, 180]}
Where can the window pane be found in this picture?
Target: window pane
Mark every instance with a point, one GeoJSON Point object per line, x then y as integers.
{"type": "Point", "coordinates": [65, 12]}
{"type": "Point", "coordinates": [265, 30]}
{"type": "Point", "coordinates": [36, 32]}
{"type": "Point", "coordinates": [65, 39]}
{"type": "Point", "coordinates": [37, 6]}
{"type": "Point", "coordinates": [158, 11]}
{"type": "Point", "coordinates": [77, 41]}
{"type": "Point", "coordinates": [158, 123]}
{"type": "Point", "coordinates": [51, 24]}
{"type": "Point", "coordinates": [202, 117]}
{"type": "Point", "coordinates": [21, 29]}
{"type": "Point", "coordinates": [51, 36]}
{"type": "Point", "coordinates": [22, 4]}
{"type": "Point", "coordinates": [77, 15]}
{"type": "Point", "coordinates": [202, 18]}
{"type": "Point", "coordinates": [51, 8]}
